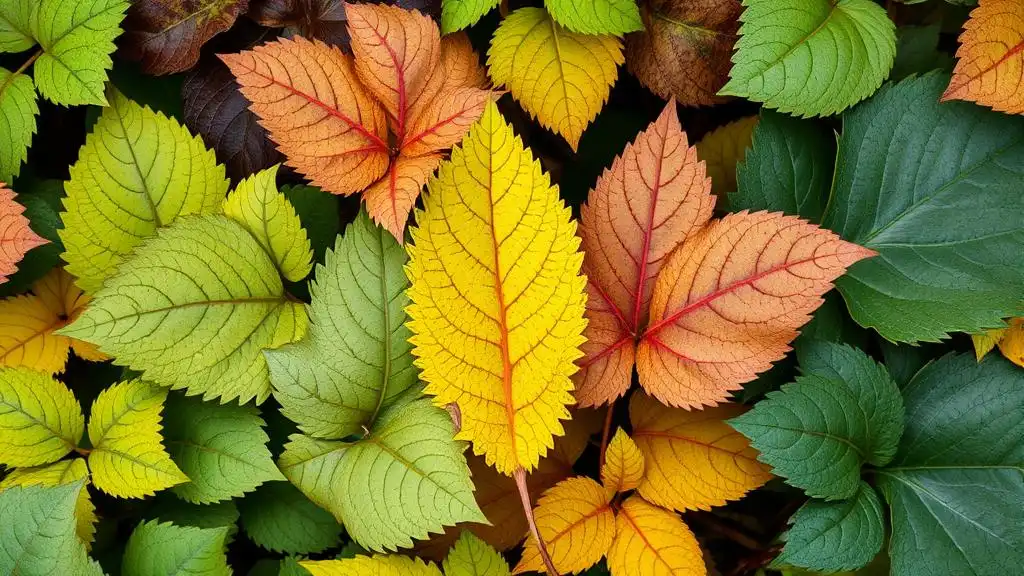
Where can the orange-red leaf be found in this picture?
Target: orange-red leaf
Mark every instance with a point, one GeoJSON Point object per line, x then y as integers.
{"type": "Point", "coordinates": [990, 66]}
{"type": "Point", "coordinates": [730, 300]}
{"type": "Point", "coordinates": [623, 464]}
{"type": "Point", "coordinates": [308, 97]}
{"type": "Point", "coordinates": [390, 200]}
{"type": "Point", "coordinates": [650, 541]}
{"type": "Point", "coordinates": [16, 238]}
{"type": "Point", "coordinates": [458, 67]}
{"type": "Point", "coordinates": [445, 120]}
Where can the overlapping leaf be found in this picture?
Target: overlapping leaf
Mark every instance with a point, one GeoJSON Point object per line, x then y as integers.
{"type": "Point", "coordinates": [1010, 341]}
{"type": "Point", "coordinates": [372, 566]}
{"type": "Point", "coordinates": [650, 541]}
{"type": "Point", "coordinates": [18, 111]}
{"type": "Point", "coordinates": [42, 200]}
{"type": "Point", "coordinates": [166, 35]}
{"type": "Point", "coordinates": [323, 20]}
{"type": "Point", "coordinates": [472, 557]}
{"type": "Point", "coordinates": [721, 150]}
{"type": "Point", "coordinates": [16, 26]}
{"type": "Point", "coordinates": [16, 238]}
{"type": "Point", "coordinates": [163, 549]}
{"type": "Point", "coordinates": [459, 14]}
{"type": "Point", "coordinates": [990, 59]}
{"type": "Point", "coordinates": [278, 517]}
{"type": "Point", "coordinates": [597, 16]}
{"type": "Point", "coordinates": [40, 419]}
{"type": "Point", "coordinates": [60, 473]}
{"type": "Point", "coordinates": [42, 540]}
{"type": "Point", "coordinates": [624, 464]}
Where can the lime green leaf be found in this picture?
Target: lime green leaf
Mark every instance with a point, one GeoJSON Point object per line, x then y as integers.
{"type": "Point", "coordinates": [16, 25]}
{"type": "Point", "coordinates": [279, 518]}
{"type": "Point", "coordinates": [811, 57]}
{"type": "Point", "coordinates": [358, 357]}
{"type": "Point", "coordinates": [194, 308]}
{"type": "Point", "coordinates": [596, 16]}
{"type": "Point", "coordinates": [18, 111]}
{"type": "Point", "coordinates": [472, 556]}
{"type": "Point", "coordinates": [222, 448]}
{"type": "Point", "coordinates": [58, 474]}
{"type": "Point", "coordinates": [404, 480]}
{"type": "Point", "coordinates": [40, 420]}
{"type": "Point", "coordinates": [270, 218]}
{"type": "Point", "coordinates": [137, 171]}
{"type": "Point", "coordinates": [127, 459]}
{"type": "Point", "coordinates": [37, 536]}
{"type": "Point", "coordinates": [163, 549]}
{"type": "Point", "coordinates": [77, 37]}
{"type": "Point", "coordinates": [459, 14]}
{"type": "Point", "coordinates": [318, 212]}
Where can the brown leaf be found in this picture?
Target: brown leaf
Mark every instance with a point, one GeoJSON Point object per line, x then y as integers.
{"type": "Point", "coordinates": [685, 51]}
{"type": "Point", "coordinates": [322, 19]}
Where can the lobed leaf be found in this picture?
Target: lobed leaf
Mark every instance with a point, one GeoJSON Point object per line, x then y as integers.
{"type": "Point", "coordinates": [18, 111]}
{"type": "Point", "coordinates": [279, 518]}
{"type": "Point", "coordinates": [991, 57]}
{"type": "Point", "coordinates": [42, 541]}
{"type": "Point", "coordinates": [16, 238]}
{"type": "Point", "coordinates": [165, 35]}
{"type": "Point", "coordinates": [471, 556]}
{"type": "Point", "coordinates": [597, 16]}
{"type": "Point", "coordinates": [624, 464]}
{"type": "Point", "coordinates": [651, 541]}
{"type": "Point", "coordinates": [40, 418]}
{"type": "Point", "coordinates": [163, 549]}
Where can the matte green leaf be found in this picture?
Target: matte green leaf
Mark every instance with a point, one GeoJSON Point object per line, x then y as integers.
{"type": "Point", "coordinates": [37, 536]}
{"type": "Point", "coordinates": [596, 16]}
{"type": "Point", "coordinates": [170, 508]}
{"type": "Point", "coordinates": [77, 37]}
{"type": "Point", "coordinates": [16, 25]}
{"type": "Point", "coordinates": [917, 52]}
{"type": "Point", "coordinates": [811, 57]}
{"type": "Point", "coordinates": [472, 556]}
{"type": "Point", "coordinates": [69, 471]}
{"type": "Point", "coordinates": [318, 212]}
{"type": "Point", "coordinates": [818, 432]}
{"type": "Point", "coordinates": [788, 168]}
{"type": "Point", "coordinates": [956, 486]}
{"type": "Point", "coordinates": [40, 420]}
{"type": "Point", "coordinates": [909, 168]}
{"type": "Point", "coordinates": [406, 479]}
{"type": "Point", "coordinates": [18, 111]}
{"type": "Point", "coordinates": [835, 536]}
{"type": "Point", "coordinates": [194, 308]}
{"type": "Point", "coordinates": [291, 567]}
{"type": "Point", "coordinates": [156, 549]}
{"type": "Point", "coordinates": [357, 358]}
{"type": "Point", "coordinates": [459, 14]}
{"type": "Point", "coordinates": [279, 518]}
{"type": "Point", "coordinates": [222, 448]}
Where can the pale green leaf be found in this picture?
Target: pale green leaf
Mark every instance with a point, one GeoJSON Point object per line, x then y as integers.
{"type": "Point", "coordinates": [459, 14]}
{"type": "Point", "coordinates": [596, 16]}
{"type": "Point", "coordinates": [37, 535]}
{"type": "Point", "coordinates": [278, 517]}
{"type": "Point", "coordinates": [18, 111]}
{"type": "Point", "coordinates": [163, 549]}
{"type": "Point", "coordinates": [40, 420]}
{"type": "Point", "coordinates": [16, 25]}
{"type": "Point", "coordinates": [472, 556]}
{"type": "Point", "coordinates": [194, 308]}
{"type": "Point", "coordinates": [58, 474]}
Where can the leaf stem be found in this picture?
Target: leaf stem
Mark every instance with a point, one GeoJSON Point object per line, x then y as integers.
{"type": "Point", "coordinates": [82, 451]}
{"type": "Point", "coordinates": [524, 497]}
{"type": "Point", "coordinates": [28, 62]}
{"type": "Point", "coordinates": [605, 436]}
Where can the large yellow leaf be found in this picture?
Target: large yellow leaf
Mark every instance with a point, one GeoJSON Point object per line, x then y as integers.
{"type": "Point", "coordinates": [58, 474]}
{"type": "Point", "coordinates": [497, 296]}
{"type": "Point", "coordinates": [562, 78]}
{"type": "Point", "coordinates": [651, 541]}
{"type": "Point", "coordinates": [623, 464]}
{"type": "Point", "coordinates": [40, 420]}
{"type": "Point", "coordinates": [375, 566]}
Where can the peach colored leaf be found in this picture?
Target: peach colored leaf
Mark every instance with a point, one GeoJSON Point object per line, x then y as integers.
{"type": "Point", "coordinates": [308, 97]}
{"type": "Point", "coordinates": [458, 67]}
{"type": "Point", "coordinates": [730, 300]}
{"type": "Point", "coordinates": [990, 66]}
{"type": "Point", "coordinates": [623, 464]}
{"type": "Point", "coordinates": [166, 35]}
{"type": "Point", "coordinates": [651, 541]}
{"type": "Point", "coordinates": [16, 238]}
{"type": "Point", "coordinates": [445, 120]}
{"type": "Point", "coordinates": [694, 459]}
{"type": "Point", "coordinates": [390, 199]}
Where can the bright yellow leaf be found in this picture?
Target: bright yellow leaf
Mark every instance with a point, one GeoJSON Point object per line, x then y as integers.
{"type": "Point", "coordinates": [623, 464]}
{"type": "Point", "coordinates": [651, 541]}
{"type": "Point", "coordinates": [1010, 341]}
{"type": "Point", "coordinates": [722, 149]}
{"type": "Point", "coordinates": [375, 566]}
{"type": "Point", "coordinates": [40, 420]}
{"type": "Point", "coordinates": [497, 296]}
{"type": "Point", "coordinates": [58, 474]}
{"type": "Point", "coordinates": [985, 342]}
{"type": "Point", "coordinates": [561, 78]}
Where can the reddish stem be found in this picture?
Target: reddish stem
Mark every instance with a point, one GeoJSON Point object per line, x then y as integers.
{"type": "Point", "coordinates": [524, 497]}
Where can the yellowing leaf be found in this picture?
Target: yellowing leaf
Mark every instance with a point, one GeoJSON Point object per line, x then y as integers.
{"type": "Point", "coordinates": [990, 60]}
{"type": "Point", "coordinates": [1010, 341]}
{"type": "Point", "coordinates": [722, 149]}
{"type": "Point", "coordinates": [984, 343]}
{"type": "Point", "coordinates": [561, 78]}
{"type": "Point", "coordinates": [257, 205]}
{"type": "Point", "coordinates": [128, 459]}
{"type": "Point", "coordinates": [650, 541]}
{"type": "Point", "coordinates": [40, 420]}
{"type": "Point", "coordinates": [16, 238]}
{"type": "Point", "coordinates": [623, 464]}
{"type": "Point", "coordinates": [694, 459]}
{"type": "Point", "coordinates": [471, 556]}
{"type": "Point", "coordinates": [497, 296]}
{"type": "Point", "coordinates": [58, 474]}
{"type": "Point", "coordinates": [375, 566]}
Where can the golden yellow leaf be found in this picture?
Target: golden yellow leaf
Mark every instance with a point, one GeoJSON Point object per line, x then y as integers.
{"type": "Point", "coordinates": [58, 474]}
{"type": "Point", "coordinates": [623, 464]}
{"type": "Point", "coordinates": [985, 342]}
{"type": "Point", "coordinates": [651, 541]}
{"type": "Point", "coordinates": [1012, 343]}
{"type": "Point", "coordinates": [371, 566]}
{"type": "Point", "coordinates": [722, 149]}
{"type": "Point", "coordinates": [990, 60]}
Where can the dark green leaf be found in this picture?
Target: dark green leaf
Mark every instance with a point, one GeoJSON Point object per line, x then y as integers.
{"type": "Point", "coordinates": [917, 52]}
{"type": "Point", "coordinates": [279, 518]}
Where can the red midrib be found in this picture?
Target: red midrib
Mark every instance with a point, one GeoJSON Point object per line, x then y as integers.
{"type": "Point", "coordinates": [433, 129]}
{"type": "Point", "coordinates": [1009, 54]}
{"type": "Point", "coordinates": [642, 281]}
{"type": "Point", "coordinates": [400, 77]}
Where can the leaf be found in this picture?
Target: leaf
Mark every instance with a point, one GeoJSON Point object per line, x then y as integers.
{"type": "Point", "coordinates": [170, 508]}
{"type": "Point", "coordinates": [318, 212]}
{"type": "Point", "coordinates": [459, 14]}
{"type": "Point", "coordinates": [986, 341]}
{"type": "Point", "coordinates": [917, 51]}
{"type": "Point", "coordinates": [18, 111]}
{"type": "Point", "coordinates": [408, 466]}
{"type": "Point", "coordinates": [166, 35]}
{"type": "Point", "coordinates": [128, 459]}
{"type": "Point", "coordinates": [16, 238]}
{"type": "Point", "coordinates": [137, 172]}
{"type": "Point", "coordinates": [471, 556]}
{"type": "Point", "coordinates": [327, 125]}
{"type": "Point", "coordinates": [788, 168]}
{"type": "Point", "coordinates": [958, 466]}
{"type": "Point", "coordinates": [357, 359]}
{"type": "Point", "coordinates": [596, 17]}
{"type": "Point", "coordinates": [990, 58]}
{"type": "Point", "coordinates": [220, 303]}
{"type": "Point", "coordinates": [40, 419]}
{"type": "Point", "coordinates": [497, 321]}
{"type": "Point", "coordinates": [930, 279]}
{"type": "Point", "coordinates": [624, 464]}
{"type": "Point", "coordinates": [660, 184]}
{"type": "Point", "coordinates": [651, 541]}
{"type": "Point", "coordinates": [61, 473]}
{"type": "Point", "coordinates": [684, 52]}
{"type": "Point", "coordinates": [390, 200]}
{"type": "Point", "coordinates": [15, 26]}
{"type": "Point", "coordinates": [694, 460]}
{"type": "Point", "coordinates": [835, 536]}
{"type": "Point", "coordinates": [42, 200]}
{"type": "Point", "coordinates": [279, 518]}
{"type": "Point", "coordinates": [561, 78]}
{"type": "Point", "coordinates": [818, 432]}
{"type": "Point", "coordinates": [313, 19]}
{"type": "Point", "coordinates": [811, 57]}
{"type": "Point", "coordinates": [163, 549]}
{"type": "Point", "coordinates": [1012, 342]}
{"type": "Point", "coordinates": [375, 566]}
{"type": "Point", "coordinates": [753, 277]}
{"type": "Point", "coordinates": [42, 541]}
{"type": "Point", "coordinates": [721, 150]}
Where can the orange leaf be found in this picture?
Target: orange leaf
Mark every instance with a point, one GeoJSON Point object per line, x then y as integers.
{"type": "Point", "coordinates": [458, 67]}
{"type": "Point", "coordinates": [653, 197]}
{"type": "Point", "coordinates": [624, 464]}
{"type": "Point", "coordinates": [577, 523]}
{"type": "Point", "coordinates": [694, 460]}
{"type": "Point", "coordinates": [16, 238]}
{"type": "Point", "coordinates": [1012, 343]}
{"type": "Point", "coordinates": [730, 300]}
{"type": "Point", "coordinates": [308, 97]}
{"type": "Point", "coordinates": [391, 198]}
{"type": "Point", "coordinates": [650, 541]}
{"type": "Point", "coordinates": [445, 120]}
{"type": "Point", "coordinates": [990, 66]}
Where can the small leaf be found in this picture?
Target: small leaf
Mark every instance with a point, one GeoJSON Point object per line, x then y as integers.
{"type": "Point", "coordinates": [40, 419]}
{"type": "Point", "coordinates": [16, 238]}
{"type": "Point", "coordinates": [459, 14]}
{"type": "Point", "coordinates": [375, 566]}
{"type": "Point", "coordinates": [390, 200]}
{"type": "Point", "coordinates": [163, 549]}
{"type": "Point", "coordinates": [990, 58]}
{"type": "Point", "coordinates": [721, 150]}
{"type": "Point", "coordinates": [624, 464]}
{"type": "Point", "coordinates": [170, 508]}
{"type": "Point", "coordinates": [471, 556]}
{"type": "Point", "coordinates": [651, 541]}
{"type": "Point", "coordinates": [166, 35]}
{"type": "Point", "coordinates": [1012, 342]}
{"type": "Point", "coordinates": [279, 518]}
{"type": "Point", "coordinates": [42, 541]}
{"type": "Point", "coordinates": [61, 473]}
{"type": "Point", "coordinates": [18, 111]}
{"type": "Point", "coordinates": [596, 16]}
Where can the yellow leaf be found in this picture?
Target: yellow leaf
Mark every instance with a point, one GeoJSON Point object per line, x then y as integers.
{"type": "Point", "coordinates": [561, 78]}
{"type": "Point", "coordinates": [722, 149]}
{"type": "Point", "coordinates": [985, 342]}
{"type": "Point", "coordinates": [497, 296]}
{"type": "Point", "coordinates": [651, 541]}
{"type": "Point", "coordinates": [40, 420]}
{"type": "Point", "coordinates": [623, 464]}
{"type": "Point", "coordinates": [576, 521]}
{"type": "Point", "coordinates": [472, 556]}
{"type": "Point", "coordinates": [1012, 343]}
{"type": "Point", "coordinates": [694, 459]}
{"type": "Point", "coordinates": [375, 566]}
{"type": "Point", "coordinates": [59, 474]}
{"type": "Point", "coordinates": [128, 459]}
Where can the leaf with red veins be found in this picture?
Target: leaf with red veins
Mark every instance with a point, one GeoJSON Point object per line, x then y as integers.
{"type": "Point", "coordinates": [390, 200]}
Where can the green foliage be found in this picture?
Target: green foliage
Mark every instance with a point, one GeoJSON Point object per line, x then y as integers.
{"type": "Point", "coordinates": [40, 420]}
{"type": "Point", "coordinates": [473, 557]}
{"type": "Point", "coordinates": [19, 109]}
{"type": "Point", "coordinates": [279, 518]}
{"type": "Point", "coordinates": [597, 16]}
{"type": "Point", "coordinates": [459, 14]}
{"type": "Point", "coordinates": [42, 540]}
{"type": "Point", "coordinates": [163, 549]}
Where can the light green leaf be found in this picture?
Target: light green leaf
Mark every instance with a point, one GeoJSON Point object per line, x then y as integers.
{"type": "Point", "coordinates": [811, 57]}
{"type": "Point", "coordinates": [835, 536]}
{"type": "Point", "coordinates": [37, 536]}
{"type": "Point", "coordinates": [459, 14]}
{"type": "Point", "coordinates": [472, 556]}
{"type": "Point", "coordinates": [908, 167]}
{"type": "Point", "coordinates": [77, 37]}
{"type": "Point", "coordinates": [18, 111]}
{"type": "Point", "coordinates": [58, 474]}
{"type": "Point", "coordinates": [16, 25]}
{"type": "Point", "coordinates": [318, 212]}
{"type": "Point", "coordinates": [156, 549]}
{"type": "Point", "coordinates": [596, 16]}
{"type": "Point", "coordinates": [194, 308]}
{"type": "Point", "coordinates": [279, 518]}
{"type": "Point", "coordinates": [357, 359]}
{"type": "Point", "coordinates": [956, 486]}
{"type": "Point", "coordinates": [406, 479]}
{"type": "Point", "coordinates": [222, 448]}
{"type": "Point", "coordinates": [40, 420]}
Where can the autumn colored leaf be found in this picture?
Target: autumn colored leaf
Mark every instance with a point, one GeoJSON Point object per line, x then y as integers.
{"type": "Point", "coordinates": [651, 541]}
{"type": "Point", "coordinates": [623, 464]}
{"type": "Point", "coordinates": [721, 150]}
{"type": "Point", "coordinates": [166, 35]}
{"type": "Point", "coordinates": [313, 19]}
{"type": "Point", "coordinates": [1010, 341]}
{"type": "Point", "coordinates": [684, 50]}
{"type": "Point", "coordinates": [16, 238]}
{"type": "Point", "coordinates": [390, 200]}
{"type": "Point", "coordinates": [990, 60]}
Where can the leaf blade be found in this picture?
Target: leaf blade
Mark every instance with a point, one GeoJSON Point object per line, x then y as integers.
{"type": "Point", "coordinates": [651, 541]}
{"type": "Point", "coordinates": [991, 49]}
{"type": "Point", "coordinates": [40, 417]}
{"type": "Point", "coordinates": [18, 109]}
